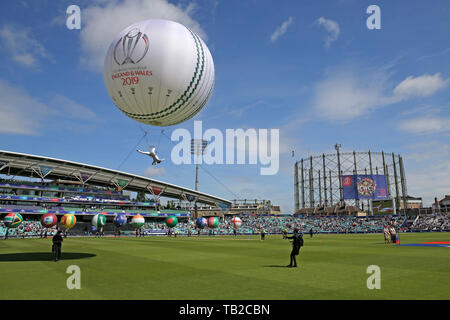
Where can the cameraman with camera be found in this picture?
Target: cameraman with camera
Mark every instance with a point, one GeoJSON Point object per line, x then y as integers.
{"type": "Point", "coordinates": [297, 243]}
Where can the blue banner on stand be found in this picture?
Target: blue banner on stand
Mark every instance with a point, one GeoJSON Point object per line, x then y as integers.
{"type": "Point", "coordinates": [365, 187]}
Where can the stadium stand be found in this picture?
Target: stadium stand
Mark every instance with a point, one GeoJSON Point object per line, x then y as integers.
{"type": "Point", "coordinates": [30, 200]}
{"type": "Point", "coordinates": [433, 222]}
{"type": "Point", "coordinates": [253, 225]}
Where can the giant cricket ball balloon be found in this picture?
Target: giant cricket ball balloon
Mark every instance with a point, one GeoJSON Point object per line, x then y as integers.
{"type": "Point", "coordinates": [236, 222]}
{"type": "Point", "coordinates": [213, 222]}
{"type": "Point", "coordinates": [68, 221]}
{"type": "Point", "coordinates": [120, 220]}
{"type": "Point", "coordinates": [159, 72]}
{"type": "Point", "coordinates": [99, 220]}
{"type": "Point", "coordinates": [13, 220]}
{"type": "Point", "coordinates": [49, 220]}
{"type": "Point", "coordinates": [171, 221]}
{"type": "Point", "coordinates": [137, 221]}
{"type": "Point", "coordinates": [201, 223]}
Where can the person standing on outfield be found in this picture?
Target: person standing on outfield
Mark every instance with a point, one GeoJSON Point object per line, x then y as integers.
{"type": "Point", "coordinates": [393, 235]}
{"type": "Point", "coordinates": [57, 243]}
{"type": "Point", "coordinates": [297, 243]}
{"type": "Point", "coordinates": [263, 234]}
{"type": "Point", "coordinates": [386, 235]}
{"type": "Point", "coordinates": [311, 232]}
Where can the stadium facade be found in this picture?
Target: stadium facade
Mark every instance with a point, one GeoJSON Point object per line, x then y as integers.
{"type": "Point", "coordinates": [243, 207]}
{"type": "Point", "coordinates": [62, 186]}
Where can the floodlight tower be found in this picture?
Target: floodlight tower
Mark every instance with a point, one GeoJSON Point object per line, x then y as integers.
{"type": "Point", "coordinates": [198, 147]}
{"type": "Point", "coordinates": [337, 146]}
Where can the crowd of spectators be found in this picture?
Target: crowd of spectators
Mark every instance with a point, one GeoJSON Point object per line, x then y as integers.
{"type": "Point", "coordinates": [349, 224]}
{"type": "Point", "coordinates": [27, 229]}
{"type": "Point", "coordinates": [253, 224]}
{"type": "Point", "coordinates": [276, 224]}
{"type": "Point", "coordinates": [432, 222]}
{"type": "Point", "coordinates": [55, 184]}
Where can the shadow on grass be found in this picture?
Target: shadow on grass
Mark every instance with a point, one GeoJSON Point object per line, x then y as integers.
{"type": "Point", "coordinates": [43, 256]}
{"type": "Point", "coordinates": [274, 266]}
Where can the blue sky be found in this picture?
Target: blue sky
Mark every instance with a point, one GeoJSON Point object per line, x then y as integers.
{"type": "Point", "coordinates": [309, 68]}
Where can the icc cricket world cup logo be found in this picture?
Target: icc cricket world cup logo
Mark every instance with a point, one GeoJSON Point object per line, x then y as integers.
{"type": "Point", "coordinates": [366, 187]}
{"type": "Point", "coordinates": [134, 47]}
{"type": "Point", "coordinates": [347, 180]}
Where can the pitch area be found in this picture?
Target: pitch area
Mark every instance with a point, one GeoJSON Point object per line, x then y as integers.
{"type": "Point", "coordinates": [330, 267]}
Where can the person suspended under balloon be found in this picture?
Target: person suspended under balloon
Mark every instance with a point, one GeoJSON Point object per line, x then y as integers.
{"type": "Point", "coordinates": [152, 154]}
{"type": "Point", "coordinates": [159, 73]}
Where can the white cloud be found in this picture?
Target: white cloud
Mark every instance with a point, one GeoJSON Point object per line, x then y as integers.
{"type": "Point", "coordinates": [428, 170]}
{"type": "Point", "coordinates": [22, 114]}
{"type": "Point", "coordinates": [436, 54]}
{"type": "Point", "coordinates": [424, 85]}
{"type": "Point", "coordinates": [423, 152]}
{"type": "Point", "coordinates": [428, 109]}
{"type": "Point", "coordinates": [279, 31]}
{"type": "Point", "coordinates": [71, 109]}
{"type": "Point", "coordinates": [23, 48]}
{"type": "Point", "coordinates": [346, 95]}
{"type": "Point", "coordinates": [426, 119]}
{"type": "Point", "coordinates": [154, 171]}
{"type": "Point", "coordinates": [19, 111]}
{"type": "Point", "coordinates": [240, 111]}
{"type": "Point", "coordinates": [430, 182]}
{"type": "Point", "coordinates": [104, 20]}
{"type": "Point", "coordinates": [25, 59]}
{"type": "Point", "coordinates": [425, 125]}
{"type": "Point", "coordinates": [343, 96]}
{"type": "Point", "coordinates": [332, 27]}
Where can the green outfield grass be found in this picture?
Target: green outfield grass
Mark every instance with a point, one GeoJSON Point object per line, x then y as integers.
{"type": "Point", "coordinates": [331, 267]}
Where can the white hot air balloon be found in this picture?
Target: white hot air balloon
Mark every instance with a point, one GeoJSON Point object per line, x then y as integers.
{"type": "Point", "coordinates": [159, 72]}
{"type": "Point", "coordinates": [237, 222]}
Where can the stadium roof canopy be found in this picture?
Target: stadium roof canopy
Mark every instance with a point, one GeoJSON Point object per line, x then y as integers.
{"type": "Point", "coordinates": [33, 166]}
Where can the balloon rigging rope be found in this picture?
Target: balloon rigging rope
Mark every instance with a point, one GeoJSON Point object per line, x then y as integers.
{"type": "Point", "coordinates": [210, 174]}
{"type": "Point", "coordinates": [145, 133]}
{"type": "Point", "coordinates": [160, 136]}
{"type": "Point", "coordinates": [148, 143]}
{"type": "Point", "coordinates": [131, 151]}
